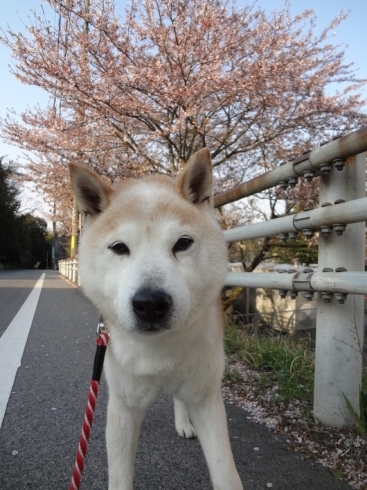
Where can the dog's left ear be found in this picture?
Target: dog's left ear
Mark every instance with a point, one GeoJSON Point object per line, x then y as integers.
{"type": "Point", "coordinates": [195, 183]}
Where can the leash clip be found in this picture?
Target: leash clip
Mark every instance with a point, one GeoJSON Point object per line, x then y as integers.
{"type": "Point", "coordinates": [101, 328]}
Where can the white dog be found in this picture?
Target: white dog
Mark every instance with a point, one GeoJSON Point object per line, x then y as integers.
{"type": "Point", "coordinates": [153, 260]}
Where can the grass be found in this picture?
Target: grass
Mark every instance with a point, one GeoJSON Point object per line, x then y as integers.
{"type": "Point", "coordinates": [286, 362]}
{"type": "Point", "coordinates": [281, 361]}
{"type": "Point", "coordinates": [280, 381]}
{"type": "Point", "coordinates": [360, 420]}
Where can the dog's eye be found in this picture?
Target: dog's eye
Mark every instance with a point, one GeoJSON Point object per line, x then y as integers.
{"type": "Point", "coordinates": [182, 244]}
{"type": "Point", "coordinates": [119, 248]}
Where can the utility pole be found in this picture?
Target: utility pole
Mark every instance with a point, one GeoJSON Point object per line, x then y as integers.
{"type": "Point", "coordinates": [53, 255]}
{"type": "Point", "coordinates": [74, 230]}
{"type": "Point", "coordinates": [75, 214]}
{"type": "Point", "coordinates": [86, 23]}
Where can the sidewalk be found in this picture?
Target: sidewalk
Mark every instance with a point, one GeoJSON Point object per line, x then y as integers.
{"type": "Point", "coordinates": [263, 458]}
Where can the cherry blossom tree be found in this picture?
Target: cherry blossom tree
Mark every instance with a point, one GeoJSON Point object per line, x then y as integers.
{"type": "Point", "coordinates": [142, 93]}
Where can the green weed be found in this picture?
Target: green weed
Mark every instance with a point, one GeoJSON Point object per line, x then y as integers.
{"type": "Point", "coordinates": [232, 375]}
{"type": "Point", "coordinates": [360, 420]}
{"type": "Point", "coordinates": [281, 360]}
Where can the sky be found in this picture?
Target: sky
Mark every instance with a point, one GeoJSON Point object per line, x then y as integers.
{"type": "Point", "coordinates": [15, 13]}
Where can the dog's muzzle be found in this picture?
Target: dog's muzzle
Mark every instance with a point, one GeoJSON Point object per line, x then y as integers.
{"type": "Point", "coordinates": [151, 306]}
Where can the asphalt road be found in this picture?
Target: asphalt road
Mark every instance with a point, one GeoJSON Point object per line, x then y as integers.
{"type": "Point", "coordinates": [40, 430]}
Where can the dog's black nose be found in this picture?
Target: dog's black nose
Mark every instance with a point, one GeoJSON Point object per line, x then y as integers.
{"type": "Point", "coordinates": [151, 305]}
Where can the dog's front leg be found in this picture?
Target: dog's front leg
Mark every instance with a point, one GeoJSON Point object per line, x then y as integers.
{"type": "Point", "coordinates": [210, 421]}
{"type": "Point", "coordinates": [123, 428]}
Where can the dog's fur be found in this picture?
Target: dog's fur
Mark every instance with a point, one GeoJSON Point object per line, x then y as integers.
{"type": "Point", "coordinates": [153, 260]}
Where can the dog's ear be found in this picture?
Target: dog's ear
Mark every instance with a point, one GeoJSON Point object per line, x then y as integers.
{"type": "Point", "coordinates": [195, 183]}
{"type": "Point", "coordinates": [91, 192]}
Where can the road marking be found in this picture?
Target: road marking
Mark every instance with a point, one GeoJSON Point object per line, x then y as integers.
{"type": "Point", "coordinates": [12, 344]}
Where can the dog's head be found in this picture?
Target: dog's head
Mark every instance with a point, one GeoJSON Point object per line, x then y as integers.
{"type": "Point", "coordinates": [151, 257]}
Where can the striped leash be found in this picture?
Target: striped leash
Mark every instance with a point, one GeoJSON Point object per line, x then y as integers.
{"type": "Point", "coordinates": [102, 341]}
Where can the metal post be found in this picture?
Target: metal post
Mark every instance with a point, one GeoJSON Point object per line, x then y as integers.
{"type": "Point", "coordinates": [255, 325]}
{"type": "Point", "coordinates": [53, 256]}
{"type": "Point", "coordinates": [339, 330]}
{"type": "Point", "coordinates": [74, 230]}
{"type": "Point", "coordinates": [78, 281]}
{"type": "Point", "coordinates": [247, 305]}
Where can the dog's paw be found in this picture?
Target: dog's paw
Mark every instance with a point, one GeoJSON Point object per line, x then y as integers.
{"type": "Point", "coordinates": [186, 431]}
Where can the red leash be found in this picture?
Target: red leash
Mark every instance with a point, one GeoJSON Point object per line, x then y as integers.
{"type": "Point", "coordinates": [102, 341]}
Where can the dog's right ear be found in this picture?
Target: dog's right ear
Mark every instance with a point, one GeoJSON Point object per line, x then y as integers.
{"type": "Point", "coordinates": [92, 193]}
{"type": "Point", "coordinates": [195, 183]}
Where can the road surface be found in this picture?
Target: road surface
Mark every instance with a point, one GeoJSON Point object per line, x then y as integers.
{"type": "Point", "coordinates": [45, 405]}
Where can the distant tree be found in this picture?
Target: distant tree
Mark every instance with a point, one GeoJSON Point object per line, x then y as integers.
{"type": "Point", "coordinates": [9, 206]}
{"type": "Point", "coordinates": [143, 93]}
{"type": "Point", "coordinates": [34, 244]}
{"type": "Point", "coordinates": [24, 240]}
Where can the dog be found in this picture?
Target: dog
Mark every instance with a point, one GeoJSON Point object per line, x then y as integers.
{"type": "Point", "coordinates": [152, 259]}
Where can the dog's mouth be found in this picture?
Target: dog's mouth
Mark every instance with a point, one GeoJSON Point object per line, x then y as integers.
{"type": "Point", "coordinates": [151, 329]}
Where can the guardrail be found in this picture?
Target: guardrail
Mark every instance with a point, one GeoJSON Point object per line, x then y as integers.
{"type": "Point", "coordinates": [69, 269]}
{"type": "Point", "coordinates": [340, 281]}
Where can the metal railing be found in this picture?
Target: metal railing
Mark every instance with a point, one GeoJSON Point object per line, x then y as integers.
{"type": "Point", "coordinates": [340, 279]}
{"type": "Point", "coordinates": [69, 269]}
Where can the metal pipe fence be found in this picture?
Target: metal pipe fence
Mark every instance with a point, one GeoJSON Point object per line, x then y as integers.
{"type": "Point", "coordinates": [340, 280]}
{"type": "Point", "coordinates": [69, 269]}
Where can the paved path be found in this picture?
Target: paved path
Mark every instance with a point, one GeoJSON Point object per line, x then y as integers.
{"type": "Point", "coordinates": [40, 430]}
